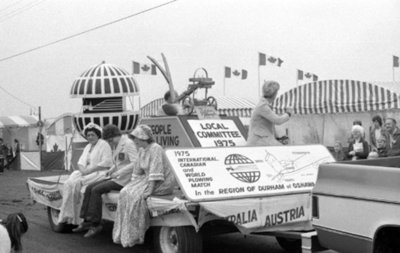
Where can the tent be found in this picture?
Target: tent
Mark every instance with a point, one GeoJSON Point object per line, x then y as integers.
{"type": "Point", "coordinates": [60, 133]}
{"type": "Point", "coordinates": [325, 110]}
{"type": "Point", "coordinates": [25, 129]}
{"type": "Point", "coordinates": [229, 106]}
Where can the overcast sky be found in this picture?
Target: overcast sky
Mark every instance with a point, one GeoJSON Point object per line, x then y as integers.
{"type": "Point", "coordinates": [334, 39]}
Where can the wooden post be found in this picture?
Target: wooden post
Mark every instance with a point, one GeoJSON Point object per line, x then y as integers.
{"type": "Point", "coordinates": [40, 138]}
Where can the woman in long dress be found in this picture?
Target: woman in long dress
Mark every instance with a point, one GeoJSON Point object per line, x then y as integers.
{"type": "Point", "coordinates": [151, 176]}
{"type": "Point", "coordinates": [93, 164]}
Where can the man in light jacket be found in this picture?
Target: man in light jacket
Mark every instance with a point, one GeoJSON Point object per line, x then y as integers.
{"type": "Point", "coordinates": [124, 157]}
{"type": "Point", "coordinates": [264, 119]}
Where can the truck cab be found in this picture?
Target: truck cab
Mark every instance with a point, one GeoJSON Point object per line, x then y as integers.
{"type": "Point", "coordinates": [356, 206]}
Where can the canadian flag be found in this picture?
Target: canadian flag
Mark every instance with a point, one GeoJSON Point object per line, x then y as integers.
{"type": "Point", "coordinates": [144, 69]}
{"type": "Point", "coordinates": [301, 75]}
{"type": "Point", "coordinates": [264, 59]}
{"type": "Point", "coordinates": [236, 73]}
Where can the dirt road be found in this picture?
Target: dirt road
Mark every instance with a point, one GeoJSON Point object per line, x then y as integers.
{"type": "Point", "coordinates": [14, 197]}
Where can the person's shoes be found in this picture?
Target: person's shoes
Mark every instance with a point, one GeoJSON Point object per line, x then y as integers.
{"type": "Point", "coordinates": [93, 231]}
{"type": "Point", "coordinates": [84, 226]}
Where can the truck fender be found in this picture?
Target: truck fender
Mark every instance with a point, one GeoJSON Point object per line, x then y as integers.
{"type": "Point", "coordinates": [183, 218]}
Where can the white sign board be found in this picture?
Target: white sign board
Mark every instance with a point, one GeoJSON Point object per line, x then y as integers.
{"type": "Point", "coordinates": [223, 173]}
{"type": "Point", "coordinates": [217, 133]}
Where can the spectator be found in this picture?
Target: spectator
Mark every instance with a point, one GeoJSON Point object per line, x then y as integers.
{"type": "Point", "coordinates": [338, 154]}
{"type": "Point", "coordinates": [381, 148]}
{"type": "Point", "coordinates": [357, 122]}
{"type": "Point", "coordinates": [358, 148]}
{"type": "Point", "coordinates": [393, 142]}
{"type": "Point", "coordinates": [376, 131]}
{"type": "Point", "coordinates": [3, 155]}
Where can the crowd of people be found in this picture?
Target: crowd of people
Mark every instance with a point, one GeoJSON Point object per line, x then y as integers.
{"type": "Point", "coordinates": [134, 164]}
{"type": "Point", "coordinates": [384, 141]}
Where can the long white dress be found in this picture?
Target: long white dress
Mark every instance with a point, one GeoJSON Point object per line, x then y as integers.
{"type": "Point", "coordinates": [133, 219]}
{"type": "Point", "coordinates": [98, 155]}
{"type": "Point", "coordinates": [5, 243]}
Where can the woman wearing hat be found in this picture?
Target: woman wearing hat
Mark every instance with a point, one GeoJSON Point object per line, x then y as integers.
{"type": "Point", "coordinates": [358, 148]}
{"type": "Point", "coordinates": [264, 119]}
{"type": "Point", "coordinates": [151, 176]}
{"type": "Point", "coordinates": [124, 155]}
{"type": "Point", "coordinates": [93, 165]}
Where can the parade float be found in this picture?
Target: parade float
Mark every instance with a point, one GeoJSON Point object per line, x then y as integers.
{"type": "Point", "coordinates": [224, 186]}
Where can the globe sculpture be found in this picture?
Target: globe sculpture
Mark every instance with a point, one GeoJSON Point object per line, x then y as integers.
{"type": "Point", "coordinates": [110, 95]}
{"type": "Point", "coordinates": [242, 168]}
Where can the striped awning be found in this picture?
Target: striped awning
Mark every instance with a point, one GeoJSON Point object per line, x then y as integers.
{"type": "Point", "coordinates": [336, 96]}
{"type": "Point", "coordinates": [104, 80]}
{"type": "Point", "coordinates": [18, 121]}
{"type": "Point", "coordinates": [230, 106]}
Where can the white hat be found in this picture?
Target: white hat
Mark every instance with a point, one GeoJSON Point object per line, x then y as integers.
{"type": "Point", "coordinates": [358, 128]}
{"type": "Point", "coordinates": [142, 132]}
{"type": "Point", "coordinates": [93, 125]}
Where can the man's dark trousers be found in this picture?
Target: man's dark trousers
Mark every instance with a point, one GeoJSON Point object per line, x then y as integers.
{"type": "Point", "coordinates": [92, 203]}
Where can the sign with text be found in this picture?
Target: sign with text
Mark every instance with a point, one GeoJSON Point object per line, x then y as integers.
{"type": "Point", "coordinates": [223, 173]}
{"type": "Point", "coordinates": [217, 133]}
{"type": "Point", "coordinates": [168, 132]}
{"type": "Point", "coordinates": [251, 214]}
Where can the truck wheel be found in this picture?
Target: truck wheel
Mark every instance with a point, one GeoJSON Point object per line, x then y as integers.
{"type": "Point", "coordinates": [177, 240]}
{"type": "Point", "coordinates": [289, 244]}
{"type": "Point", "coordinates": [52, 214]}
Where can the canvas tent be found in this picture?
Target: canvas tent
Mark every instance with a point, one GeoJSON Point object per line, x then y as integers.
{"type": "Point", "coordinates": [60, 134]}
{"type": "Point", "coordinates": [229, 106]}
{"type": "Point", "coordinates": [325, 110]}
{"type": "Point", "coordinates": [25, 129]}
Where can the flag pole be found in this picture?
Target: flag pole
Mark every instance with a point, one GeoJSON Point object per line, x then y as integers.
{"type": "Point", "coordinates": [393, 73]}
{"type": "Point", "coordinates": [259, 88]}
{"type": "Point", "coordinates": [224, 86]}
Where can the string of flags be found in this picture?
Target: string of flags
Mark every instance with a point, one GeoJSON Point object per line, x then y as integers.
{"type": "Point", "coordinates": [308, 76]}
{"type": "Point", "coordinates": [146, 69]}
{"type": "Point", "coordinates": [229, 72]}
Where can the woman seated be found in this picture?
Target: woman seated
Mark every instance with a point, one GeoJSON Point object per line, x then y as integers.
{"type": "Point", "coordinates": [151, 176]}
{"type": "Point", "coordinates": [358, 148]}
{"type": "Point", "coordinates": [93, 164]}
{"type": "Point", "coordinates": [338, 154]}
{"type": "Point", "coordinates": [381, 149]}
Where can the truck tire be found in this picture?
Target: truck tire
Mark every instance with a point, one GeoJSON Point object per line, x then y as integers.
{"type": "Point", "coordinates": [289, 244]}
{"type": "Point", "coordinates": [177, 240]}
{"type": "Point", "coordinates": [52, 214]}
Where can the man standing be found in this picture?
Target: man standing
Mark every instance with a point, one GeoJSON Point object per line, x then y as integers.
{"type": "Point", "coordinates": [124, 157]}
{"type": "Point", "coordinates": [3, 155]}
{"type": "Point", "coordinates": [394, 137]}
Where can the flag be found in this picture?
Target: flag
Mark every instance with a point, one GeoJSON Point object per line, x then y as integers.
{"type": "Point", "coordinates": [263, 59]}
{"type": "Point", "coordinates": [235, 73]}
{"type": "Point", "coordinates": [300, 74]}
{"type": "Point", "coordinates": [227, 72]}
{"type": "Point", "coordinates": [396, 63]}
{"type": "Point", "coordinates": [146, 69]}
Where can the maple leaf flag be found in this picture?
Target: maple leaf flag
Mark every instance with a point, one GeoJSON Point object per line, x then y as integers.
{"type": "Point", "coordinates": [235, 73]}
{"type": "Point", "coordinates": [263, 59]}
{"type": "Point", "coordinates": [144, 69]}
{"type": "Point", "coordinates": [302, 75]}
{"type": "Point", "coordinates": [396, 63]}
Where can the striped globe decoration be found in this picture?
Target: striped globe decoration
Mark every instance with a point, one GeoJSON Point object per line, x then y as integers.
{"type": "Point", "coordinates": [107, 82]}
{"type": "Point", "coordinates": [126, 121]}
{"type": "Point", "coordinates": [104, 80]}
